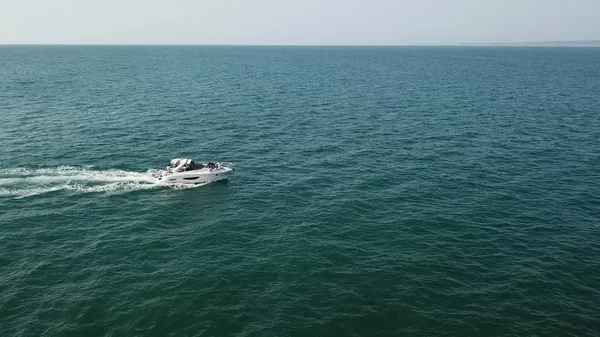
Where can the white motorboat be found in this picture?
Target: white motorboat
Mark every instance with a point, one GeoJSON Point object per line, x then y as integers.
{"type": "Point", "coordinates": [186, 171]}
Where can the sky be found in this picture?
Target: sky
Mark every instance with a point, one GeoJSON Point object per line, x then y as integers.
{"type": "Point", "coordinates": [291, 22]}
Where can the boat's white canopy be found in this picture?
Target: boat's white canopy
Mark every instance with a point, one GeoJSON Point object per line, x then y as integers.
{"type": "Point", "coordinates": [178, 163]}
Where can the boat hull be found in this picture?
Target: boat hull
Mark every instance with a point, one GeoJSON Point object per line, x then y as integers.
{"type": "Point", "coordinates": [196, 177]}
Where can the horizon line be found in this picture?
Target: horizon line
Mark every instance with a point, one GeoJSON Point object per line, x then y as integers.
{"type": "Point", "coordinates": [467, 44]}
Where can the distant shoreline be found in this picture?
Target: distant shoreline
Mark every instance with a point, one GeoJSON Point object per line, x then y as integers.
{"type": "Point", "coordinates": [582, 43]}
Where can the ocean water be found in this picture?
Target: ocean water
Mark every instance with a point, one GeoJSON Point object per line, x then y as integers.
{"type": "Point", "coordinates": [379, 191]}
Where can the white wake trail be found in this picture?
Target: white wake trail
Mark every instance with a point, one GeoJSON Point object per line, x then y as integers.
{"type": "Point", "coordinates": [24, 182]}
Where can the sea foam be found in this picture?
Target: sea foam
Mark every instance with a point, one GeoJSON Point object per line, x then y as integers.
{"type": "Point", "coordinates": [25, 182]}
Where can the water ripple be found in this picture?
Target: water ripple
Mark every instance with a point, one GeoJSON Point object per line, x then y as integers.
{"type": "Point", "coordinates": [380, 191]}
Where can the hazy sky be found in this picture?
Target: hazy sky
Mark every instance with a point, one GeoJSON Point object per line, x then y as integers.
{"type": "Point", "coordinates": [377, 22]}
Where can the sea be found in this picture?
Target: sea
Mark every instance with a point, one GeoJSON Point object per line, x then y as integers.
{"type": "Point", "coordinates": [378, 191]}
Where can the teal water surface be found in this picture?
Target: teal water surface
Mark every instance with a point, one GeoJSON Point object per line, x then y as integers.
{"type": "Point", "coordinates": [418, 191]}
